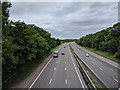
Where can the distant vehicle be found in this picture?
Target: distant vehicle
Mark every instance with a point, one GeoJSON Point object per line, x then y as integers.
{"type": "Point", "coordinates": [64, 47]}
{"type": "Point", "coordinates": [55, 54]}
{"type": "Point", "coordinates": [87, 55]}
{"type": "Point", "coordinates": [63, 53]}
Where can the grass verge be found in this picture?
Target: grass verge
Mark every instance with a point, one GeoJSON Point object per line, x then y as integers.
{"type": "Point", "coordinates": [105, 54]}
{"type": "Point", "coordinates": [25, 71]}
{"type": "Point", "coordinates": [95, 82]}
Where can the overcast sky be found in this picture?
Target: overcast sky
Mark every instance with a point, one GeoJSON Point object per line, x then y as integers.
{"type": "Point", "coordinates": [67, 20]}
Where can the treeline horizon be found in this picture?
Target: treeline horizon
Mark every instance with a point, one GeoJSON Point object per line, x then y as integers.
{"type": "Point", "coordinates": [106, 40]}
{"type": "Point", "coordinates": [22, 43]}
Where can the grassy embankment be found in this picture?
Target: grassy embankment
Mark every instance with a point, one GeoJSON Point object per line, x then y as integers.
{"type": "Point", "coordinates": [26, 70]}
{"type": "Point", "coordinates": [105, 54]}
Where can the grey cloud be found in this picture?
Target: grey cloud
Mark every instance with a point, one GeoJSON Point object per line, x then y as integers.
{"type": "Point", "coordinates": [67, 19]}
{"type": "Point", "coordinates": [68, 9]}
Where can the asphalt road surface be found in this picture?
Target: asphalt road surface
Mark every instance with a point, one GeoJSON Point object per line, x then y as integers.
{"type": "Point", "coordinates": [61, 72]}
{"type": "Point", "coordinates": [106, 72]}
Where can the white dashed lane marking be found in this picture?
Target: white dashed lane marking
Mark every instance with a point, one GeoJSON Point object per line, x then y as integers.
{"type": "Point", "coordinates": [54, 69]}
{"type": "Point", "coordinates": [50, 81]}
{"type": "Point", "coordinates": [66, 81]}
{"type": "Point", "coordinates": [111, 69]}
{"type": "Point", "coordinates": [116, 80]}
{"type": "Point", "coordinates": [101, 69]}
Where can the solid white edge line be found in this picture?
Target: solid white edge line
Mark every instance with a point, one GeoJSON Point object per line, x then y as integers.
{"type": "Point", "coordinates": [76, 70]}
{"type": "Point", "coordinates": [42, 71]}
{"type": "Point", "coordinates": [93, 72]}
{"type": "Point", "coordinates": [50, 81]}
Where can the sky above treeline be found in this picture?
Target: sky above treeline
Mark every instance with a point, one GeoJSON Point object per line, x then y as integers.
{"type": "Point", "coordinates": [67, 20]}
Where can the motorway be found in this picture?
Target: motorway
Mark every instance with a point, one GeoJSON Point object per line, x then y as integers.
{"type": "Point", "coordinates": [61, 72]}
{"type": "Point", "coordinates": [106, 72]}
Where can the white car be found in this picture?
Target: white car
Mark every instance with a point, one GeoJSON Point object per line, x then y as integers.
{"type": "Point", "coordinates": [55, 54]}
{"type": "Point", "coordinates": [87, 55]}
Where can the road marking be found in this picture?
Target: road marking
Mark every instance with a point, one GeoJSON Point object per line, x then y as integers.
{"type": "Point", "coordinates": [56, 62]}
{"type": "Point", "coordinates": [107, 61]}
{"type": "Point", "coordinates": [50, 81]}
{"type": "Point", "coordinates": [93, 72]}
{"type": "Point", "coordinates": [65, 62]}
{"type": "Point", "coordinates": [116, 80]}
{"type": "Point", "coordinates": [66, 81]}
{"type": "Point", "coordinates": [40, 73]}
{"type": "Point", "coordinates": [65, 69]}
{"type": "Point", "coordinates": [101, 69]}
{"type": "Point", "coordinates": [54, 69]}
{"type": "Point", "coordinates": [111, 69]}
{"type": "Point", "coordinates": [76, 70]}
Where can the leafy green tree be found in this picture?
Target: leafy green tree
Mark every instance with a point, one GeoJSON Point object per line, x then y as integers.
{"type": "Point", "coordinates": [22, 43]}
{"type": "Point", "coordinates": [106, 40]}
{"type": "Point", "coordinates": [117, 54]}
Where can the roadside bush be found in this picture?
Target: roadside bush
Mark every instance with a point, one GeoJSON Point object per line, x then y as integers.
{"type": "Point", "coordinates": [22, 43]}
{"type": "Point", "coordinates": [107, 40]}
{"type": "Point", "coordinates": [117, 54]}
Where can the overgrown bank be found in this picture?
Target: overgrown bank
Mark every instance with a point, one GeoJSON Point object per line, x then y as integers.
{"type": "Point", "coordinates": [104, 54]}
{"type": "Point", "coordinates": [23, 46]}
{"type": "Point", "coordinates": [107, 41]}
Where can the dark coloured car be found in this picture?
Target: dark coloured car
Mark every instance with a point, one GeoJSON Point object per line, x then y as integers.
{"type": "Point", "coordinates": [63, 53]}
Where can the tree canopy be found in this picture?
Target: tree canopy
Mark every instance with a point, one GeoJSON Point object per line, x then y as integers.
{"type": "Point", "coordinates": [106, 40]}
{"type": "Point", "coordinates": [22, 43]}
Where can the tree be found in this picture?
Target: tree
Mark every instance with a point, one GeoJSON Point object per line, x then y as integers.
{"type": "Point", "coordinates": [22, 43]}
{"type": "Point", "coordinates": [106, 40]}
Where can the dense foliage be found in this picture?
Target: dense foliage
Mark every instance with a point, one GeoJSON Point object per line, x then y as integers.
{"type": "Point", "coordinates": [22, 43]}
{"type": "Point", "coordinates": [107, 40]}
{"type": "Point", "coordinates": [68, 40]}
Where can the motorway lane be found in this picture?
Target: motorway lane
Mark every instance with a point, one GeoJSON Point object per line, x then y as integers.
{"type": "Point", "coordinates": [61, 72]}
{"type": "Point", "coordinates": [106, 72]}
